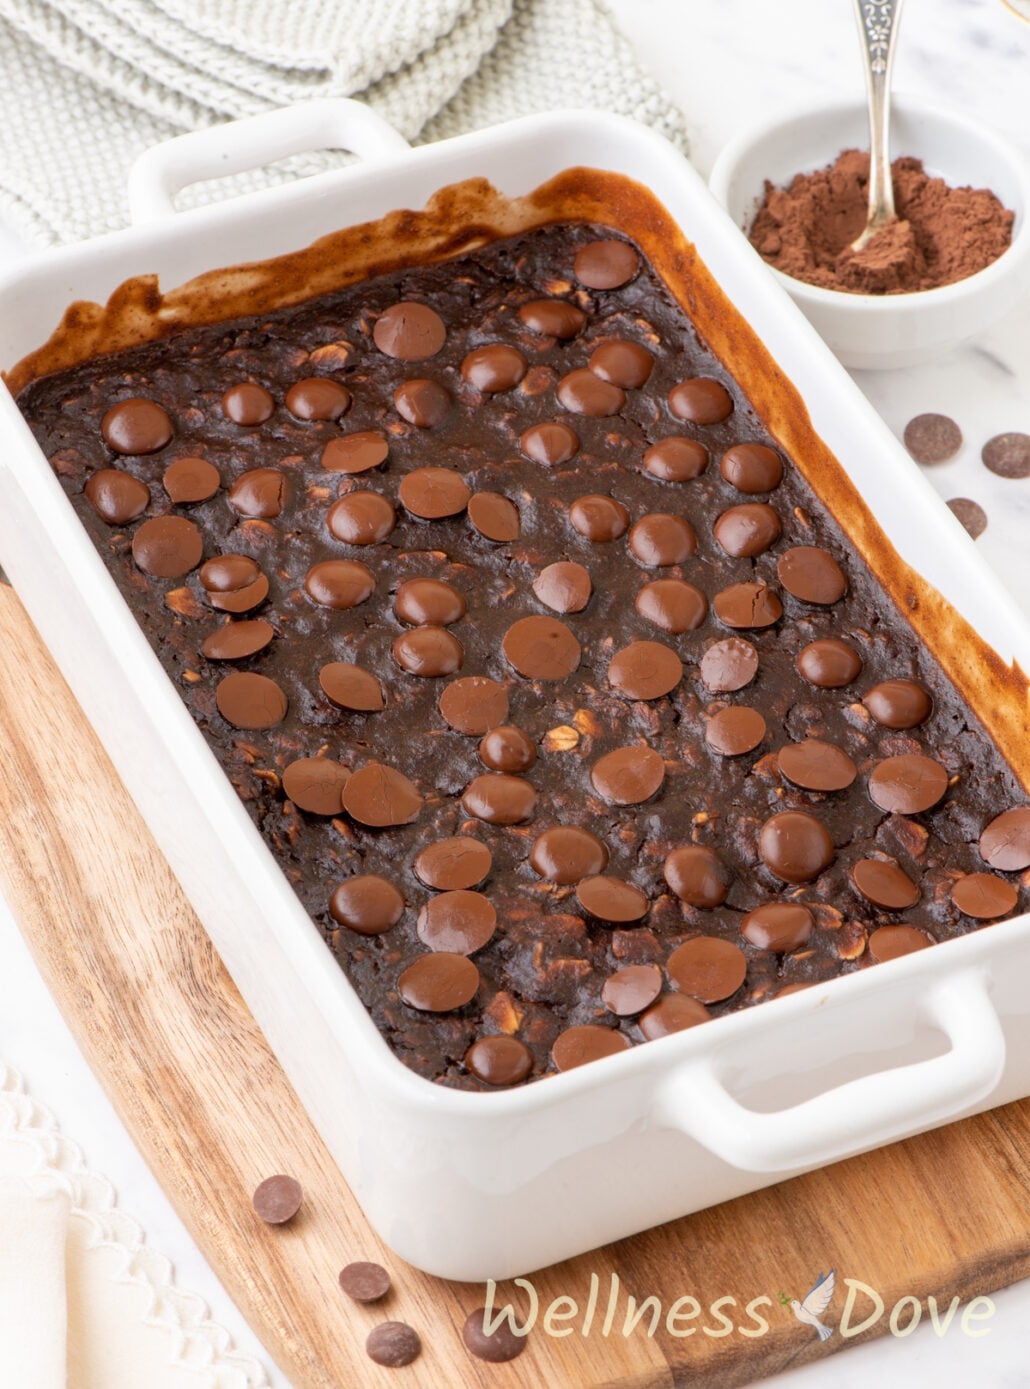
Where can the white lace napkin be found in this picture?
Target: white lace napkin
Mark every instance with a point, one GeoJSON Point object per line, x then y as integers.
{"type": "Point", "coordinates": [85, 1303]}
{"type": "Point", "coordinates": [86, 85]}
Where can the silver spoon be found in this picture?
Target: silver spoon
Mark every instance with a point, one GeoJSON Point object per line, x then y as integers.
{"type": "Point", "coordinates": [878, 23]}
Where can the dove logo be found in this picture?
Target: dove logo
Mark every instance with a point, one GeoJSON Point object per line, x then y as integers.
{"type": "Point", "coordinates": [814, 1303]}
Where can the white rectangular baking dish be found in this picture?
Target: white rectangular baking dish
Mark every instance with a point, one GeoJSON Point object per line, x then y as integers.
{"type": "Point", "coordinates": [471, 1186]}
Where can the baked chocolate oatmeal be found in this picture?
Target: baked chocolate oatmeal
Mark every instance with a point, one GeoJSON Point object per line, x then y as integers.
{"type": "Point", "coordinates": [569, 712]}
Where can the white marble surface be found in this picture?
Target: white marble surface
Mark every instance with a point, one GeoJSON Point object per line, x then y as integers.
{"type": "Point", "coordinates": [729, 64]}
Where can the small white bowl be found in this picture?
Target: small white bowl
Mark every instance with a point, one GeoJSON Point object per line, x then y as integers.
{"type": "Point", "coordinates": [894, 330]}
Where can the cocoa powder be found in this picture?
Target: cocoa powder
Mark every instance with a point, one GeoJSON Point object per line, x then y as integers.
{"type": "Point", "coordinates": [941, 234]}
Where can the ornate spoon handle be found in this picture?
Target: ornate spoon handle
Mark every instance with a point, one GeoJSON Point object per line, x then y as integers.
{"type": "Point", "coordinates": [878, 22]}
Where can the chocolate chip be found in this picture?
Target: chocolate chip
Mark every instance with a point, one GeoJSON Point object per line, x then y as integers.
{"type": "Point", "coordinates": [409, 332]}
{"type": "Point", "coordinates": [898, 703]}
{"type": "Point", "coordinates": [116, 497]}
{"type": "Point", "coordinates": [889, 942]}
{"type": "Point", "coordinates": [673, 605]}
{"type": "Point", "coordinates": [577, 1046]}
{"type": "Point", "coordinates": [564, 587]}
{"type": "Point", "coordinates": [317, 398]}
{"type": "Point", "coordinates": [494, 517]}
{"type": "Point", "coordinates": [349, 686]}
{"type": "Point", "coordinates": [983, 896]}
{"type": "Point", "coordinates": [247, 404]}
{"type": "Point", "coordinates": [729, 665]}
{"type": "Point", "coordinates": [339, 583]}
{"type": "Point", "coordinates": [628, 776]}
{"type": "Point", "coordinates": [697, 876]}
{"type": "Point", "coordinates": [365, 1282]}
{"type": "Point", "coordinates": [474, 705]}
{"type": "Point", "coordinates": [932, 438]}
{"type": "Point", "coordinates": [672, 1013]}
{"type": "Point", "coordinates": [884, 884]}
{"type": "Point", "coordinates": [451, 864]}
{"type": "Point", "coordinates": [645, 670]}
{"type": "Point", "coordinates": [541, 648]}
{"type": "Point", "coordinates": [434, 493]}
{"type": "Point", "coordinates": [660, 539]}
{"type": "Point", "coordinates": [611, 899]}
{"type": "Point", "coordinates": [565, 854]}
{"type": "Point", "coordinates": [497, 367]}
{"type": "Point", "coordinates": [676, 459]}
{"type": "Point", "coordinates": [259, 494]}
{"type": "Point", "coordinates": [751, 468]}
{"type": "Point", "coordinates": [356, 453]}
{"type": "Point", "coordinates": [422, 402]}
{"type": "Point", "coordinates": [428, 652]}
{"type": "Point", "coordinates": [507, 749]}
{"type": "Point", "coordinates": [624, 364]}
{"type": "Point", "coordinates": [362, 518]}
{"type": "Point", "coordinates": [1005, 842]}
{"type": "Point", "coordinates": [248, 700]}
{"type": "Point", "coordinates": [583, 393]}
{"type": "Point", "coordinates": [1008, 455]}
{"type": "Point", "coordinates": [599, 518]}
{"type": "Point", "coordinates": [393, 1343]}
{"type": "Point", "coordinates": [606, 264]}
{"type": "Point", "coordinates": [735, 730]}
{"type": "Point", "coordinates": [971, 515]}
{"type": "Point", "coordinates": [439, 982]}
{"type": "Point", "coordinates": [812, 575]}
{"type": "Point", "coordinates": [237, 640]}
{"type": "Point", "coordinates": [428, 602]}
{"type": "Point", "coordinates": [229, 573]}
{"type": "Point", "coordinates": [191, 480]}
{"type": "Point", "coordinates": [829, 663]}
{"type": "Point", "coordinates": [554, 318]}
{"type": "Point", "coordinates": [368, 904]}
{"type": "Point", "coordinates": [241, 600]}
{"type": "Point", "coordinates": [458, 921]}
{"type": "Point", "coordinates": [277, 1199]}
{"type": "Point", "coordinates": [631, 989]}
{"type": "Point", "coordinates": [908, 784]}
{"type": "Point", "coordinates": [748, 530]}
{"type": "Point", "coordinates": [816, 765]}
{"type": "Point", "coordinates": [778, 926]}
{"type": "Point", "coordinates": [378, 795]}
{"type": "Point", "coordinates": [552, 442]}
{"type": "Point", "coordinates": [747, 606]}
{"type": "Point", "coordinates": [499, 799]}
{"type": "Point", "coordinates": [795, 846]}
{"type": "Point", "coordinates": [136, 426]}
{"type": "Point", "coordinates": [499, 1061]}
{"type": "Point", "coordinates": [167, 547]}
{"type": "Point", "coordinates": [708, 968]}
{"type": "Point", "coordinates": [315, 784]}
{"type": "Point", "coordinates": [701, 401]}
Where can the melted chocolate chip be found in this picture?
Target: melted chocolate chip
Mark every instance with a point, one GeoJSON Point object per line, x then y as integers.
{"type": "Point", "coordinates": [248, 404]}
{"type": "Point", "coordinates": [428, 652]}
{"type": "Point", "coordinates": [439, 982]}
{"type": "Point", "coordinates": [606, 264]}
{"type": "Point", "coordinates": [190, 480]}
{"type": "Point", "coordinates": [884, 884]}
{"type": "Point", "coordinates": [422, 402]}
{"type": "Point", "coordinates": [507, 749]}
{"type": "Point", "coordinates": [362, 518]}
{"type": "Point", "coordinates": [645, 670]}
{"type": "Point", "coordinates": [315, 784]}
{"type": "Point", "coordinates": [566, 854]}
{"type": "Point", "coordinates": [495, 368]}
{"type": "Point", "coordinates": [829, 663]}
{"type": "Point", "coordinates": [624, 364]}
{"type": "Point", "coordinates": [368, 904]}
{"type": "Point", "coordinates": [701, 401]}
{"type": "Point", "coordinates": [908, 784]}
{"type": "Point", "coordinates": [428, 602]}
{"type": "Point", "coordinates": [676, 459]}
{"type": "Point", "coordinates": [898, 703]}
{"type": "Point", "coordinates": [499, 799]}
{"type": "Point", "coordinates": [697, 875]}
{"type": "Point", "coordinates": [339, 583]}
{"type": "Point", "coordinates": [586, 394]}
{"type": "Point", "coordinates": [167, 547]}
{"type": "Point", "coordinates": [564, 587]}
{"type": "Point", "coordinates": [433, 493]}
{"type": "Point", "coordinates": [452, 864]}
{"type": "Point", "coordinates": [578, 1046]}
{"type": "Point", "coordinates": [795, 846]}
{"type": "Point", "coordinates": [729, 665]}
{"type": "Point", "coordinates": [458, 921]}
{"type": "Point", "coordinates": [355, 453]}
{"type": "Point", "coordinates": [748, 530]}
{"type": "Point", "coordinates": [117, 497]}
{"type": "Point", "coordinates": [499, 1061]}
{"type": "Point", "coordinates": [474, 704]}
{"type": "Point", "coordinates": [751, 468]}
{"type": "Point", "coordinates": [494, 517]}
{"type": "Point", "coordinates": [409, 332]}
{"type": "Point", "coordinates": [778, 926]}
{"type": "Point", "coordinates": [673, 605]}
{"type": "Point", "coordinates": [628, 776]}
{"type": "Point", "coordinates": [552, 442]}
{"type": "Point", "coordinates": [351, 687]}
{"type": "Point", "coordinates": [599, 518]}
{"type": "Point", "coordinates": [378, 795]}
{"type": "Point", "coordinates": [659, 539]}
{"type": "Point", "coordinates": [812, 575]}
{"type": "Point", "coordinates": [631, 989]}
{"type": "Point", "coordinates": [317, 398]}
{"type": "Point", "coordinates": [136, 426]}
{"type": "Point", "coordinates": [541, 648]}
{"type": "Point", "coordinates": [554, 318]}
{"type": "Point", "coordinates": [708, 968]}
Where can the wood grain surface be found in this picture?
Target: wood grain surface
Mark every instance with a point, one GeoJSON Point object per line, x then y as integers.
{"type": "Point", "coordinates": [160, 1022]}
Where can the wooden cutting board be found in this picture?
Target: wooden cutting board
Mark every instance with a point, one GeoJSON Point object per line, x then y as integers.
{"type": "Point", "coordinates": [160, 1022]}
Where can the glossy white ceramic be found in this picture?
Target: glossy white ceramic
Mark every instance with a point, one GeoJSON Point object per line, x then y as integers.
{"type": "Point", "coordinates": [469, 1185]}
{"type": "Point", "coordinates": [895, 330]}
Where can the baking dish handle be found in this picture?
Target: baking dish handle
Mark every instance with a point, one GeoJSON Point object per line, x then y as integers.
{"type": "Point", "coordinates": [235, 146]}
{"type": "Point", "coordinates": [860, 1114]}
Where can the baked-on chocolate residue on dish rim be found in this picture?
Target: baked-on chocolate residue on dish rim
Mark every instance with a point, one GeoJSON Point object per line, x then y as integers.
{"type": "Point", "coordinates": [633, 675]}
